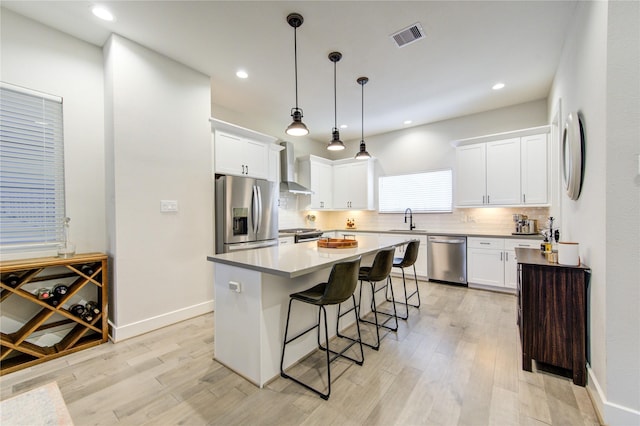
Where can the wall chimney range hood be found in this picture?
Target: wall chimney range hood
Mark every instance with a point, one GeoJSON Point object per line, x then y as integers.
{"type": "Point", "coordinates": [287, 171]}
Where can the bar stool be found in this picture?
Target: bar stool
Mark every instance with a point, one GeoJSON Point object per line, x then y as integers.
{"type": "Point", "coordinates": [409, 259]}
{"type": "Point", "coordinates": [379, 271]}
{"type": "Point", "coordinates": [340, 286]}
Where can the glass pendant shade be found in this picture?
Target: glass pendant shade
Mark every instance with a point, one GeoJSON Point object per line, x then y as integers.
{"type": "Point", "coordinates": [362, 154]}
{"type": "Point", "coordinates": [297, 127]}
{"type": "Point", "coordinates": [336, 144]}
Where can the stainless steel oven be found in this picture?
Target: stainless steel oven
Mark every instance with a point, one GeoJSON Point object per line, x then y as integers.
{"type": "Point", "coordinates": [302, 235]}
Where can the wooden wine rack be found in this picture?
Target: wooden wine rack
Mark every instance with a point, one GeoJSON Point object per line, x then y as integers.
{"type": "Point", "coordinates": [16, 351]}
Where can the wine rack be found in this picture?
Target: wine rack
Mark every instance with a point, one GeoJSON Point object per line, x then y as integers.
{"type": "Point", "coordinates": [33, 330]}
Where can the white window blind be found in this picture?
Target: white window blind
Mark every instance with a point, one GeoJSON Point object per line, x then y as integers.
{"type": "Point", "coordinates": [428, 192]}
{"type": "Point", "coordinates": [32, 204]}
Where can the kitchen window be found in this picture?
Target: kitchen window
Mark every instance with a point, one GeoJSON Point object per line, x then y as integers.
{"type": "Point", "coordinates": [427, 192]}
{"type": "Point", "coordinates": [32, 196]}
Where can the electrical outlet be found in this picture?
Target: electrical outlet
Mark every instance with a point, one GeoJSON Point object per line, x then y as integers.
{"type": "Point", "coordinates": [168, 206]}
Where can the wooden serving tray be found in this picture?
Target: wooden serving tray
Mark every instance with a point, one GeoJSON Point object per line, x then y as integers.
{"type": "Point", "coordinates": [337, 243]}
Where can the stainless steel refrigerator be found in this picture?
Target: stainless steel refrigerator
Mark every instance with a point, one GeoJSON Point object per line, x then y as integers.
{"type": "Point", "coordinates": [246, 213]}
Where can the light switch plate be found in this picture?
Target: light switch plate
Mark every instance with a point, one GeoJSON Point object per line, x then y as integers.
{"type": "Point", "coordinates": [168, 206]}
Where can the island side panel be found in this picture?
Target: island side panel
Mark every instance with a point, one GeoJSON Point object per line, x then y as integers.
{"type": "Point", "coordinates": [236, 320]}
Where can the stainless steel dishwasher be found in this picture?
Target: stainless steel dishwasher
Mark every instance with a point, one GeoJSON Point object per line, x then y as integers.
{"type": "Point", "coordinates": [447, 258]}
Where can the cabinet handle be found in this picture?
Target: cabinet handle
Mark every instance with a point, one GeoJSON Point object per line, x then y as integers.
{"type": "Point", "coordinates": [506, 257]}
{"type": "Point", "coordinates": [488, 202]}
{"type": "Point", "coordinates": [524, 198]}
{"type": "Point", "coordinates": [247, 169]}
{"type": "Point", "coordinates": [485, 243]}
{"type": "Point", "coordinates": [483, 199]}
{"type": "Point", "coordinates": [501, 256]}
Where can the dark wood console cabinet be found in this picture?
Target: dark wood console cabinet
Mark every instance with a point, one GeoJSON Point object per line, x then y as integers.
{"type": "Point", "coordinates": [552, 313]}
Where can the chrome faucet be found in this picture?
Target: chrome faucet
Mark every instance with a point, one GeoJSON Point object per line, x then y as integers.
{"type": "Point", "coordinates": [411, 224]}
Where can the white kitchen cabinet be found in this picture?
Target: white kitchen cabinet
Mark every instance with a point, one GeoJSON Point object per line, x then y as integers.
{"type": "Point", "coordinates": [511, 261]}
{"type": "Point", "coordinates": [471, 175]}
{"type": "Point", "coordinates": [353, 185]}
{"type": "Point", "coordinates": [509, 169]}
{"type": "Point", "coordinates": [286, 240]}
{"type": "Point", "coordinates": [238, 156]}
{"type": "Point", "coordinates": [492, 261]}
{"type": "Point", "coordinates": [503, 172]}
{"type": "Point", "coordinates": [534, 171]}
{"type": "Point", "coordinates": [485, 261]}
{"type": "Point", "coordinates": [242, 152]}
{"type": "Point", "coordinates": [316, 173]}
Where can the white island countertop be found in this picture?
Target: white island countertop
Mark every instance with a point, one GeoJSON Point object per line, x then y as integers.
{"type": "Point", "coordinates": [294, 260]}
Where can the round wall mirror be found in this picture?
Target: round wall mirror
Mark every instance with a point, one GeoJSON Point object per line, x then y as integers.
{"type": "Point", "coordinates": [572, 155]}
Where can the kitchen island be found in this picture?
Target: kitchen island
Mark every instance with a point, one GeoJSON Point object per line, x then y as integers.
{"type": "Point", "coordinates": [252, 291]}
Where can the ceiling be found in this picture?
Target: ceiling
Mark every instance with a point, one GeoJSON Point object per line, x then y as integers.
{"type": "Point", "coordinates": [469, 46]}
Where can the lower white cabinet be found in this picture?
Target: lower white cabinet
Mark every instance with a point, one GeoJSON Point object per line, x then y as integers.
{"type": "Point", "coordinates": [492, 261]}
{"type": "Point", "coordinates": [286, 240]}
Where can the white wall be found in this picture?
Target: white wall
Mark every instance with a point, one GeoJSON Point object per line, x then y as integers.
{"type": "Point", "coordinates": [598, 77]}
{"type": "Point", "coordinates": [159, 143]}
{"type": "Point", "coordinates": [39, 58]}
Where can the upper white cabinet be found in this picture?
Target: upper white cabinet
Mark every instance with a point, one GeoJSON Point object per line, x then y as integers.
{"type": "Point", "coordinates": [337, 185]}
{"type": "Point", "coordinates": [498, 170]}
{"type": "Point", "coordinates": [242, 152]}
{"type": "Point", "coordinates": [353, 185]}
{"type": "Point", "coordinates": [316, 173]}
{"type": "Point", "coordinates": [534, 169]}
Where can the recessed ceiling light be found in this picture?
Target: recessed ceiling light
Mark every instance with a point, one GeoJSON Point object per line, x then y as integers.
{"type": "Point", "coordinates": [242, 74]}
{"type": "Point", "coordinates": [102, 13]}
{"type": "Point", "coordinates": [407, 122]}
{"type": "Point", "coordinates": [498, 86]}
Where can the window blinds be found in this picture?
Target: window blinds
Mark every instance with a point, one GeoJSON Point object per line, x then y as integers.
{"type": "Point", "coordinates": [32, 204]}
{"type": "Point", "coordinates": [428, 192]}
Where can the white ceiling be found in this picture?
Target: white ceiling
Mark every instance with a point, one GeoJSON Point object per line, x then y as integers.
{"type": "Point", "coordinates": [469, 46]}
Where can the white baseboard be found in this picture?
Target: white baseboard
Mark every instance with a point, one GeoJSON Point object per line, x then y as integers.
{"type": "Point", "coordinates": [119, 333]}
{"type": "Point", "coordinates": [609, 412]}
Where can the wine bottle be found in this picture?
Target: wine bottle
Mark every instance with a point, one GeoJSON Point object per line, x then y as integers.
{"type": "Point", "coordinates": [87, 316]}
{"type": "Point", "coordinates": [77, 310]}
{"type": "Point", "coordinates": [12, 280]}
{"type": "Point", "coordinates": [44, 293]}
{"type": "Point", "coordinates": [93, 307]}
{"type": "Point", "coordinates": [60, 290]}
{"type": "Point", "coordinates": [87, 269]}
{"type": "Point", "coordinates": [53, 301]}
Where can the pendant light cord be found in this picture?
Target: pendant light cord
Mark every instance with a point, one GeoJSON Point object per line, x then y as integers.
{"type": "Point", "coordinates": [362, 121]}
{"type": "Point", "coordinates": [295, 59]}
{"type": "Point", "coordinates": [335, 99]}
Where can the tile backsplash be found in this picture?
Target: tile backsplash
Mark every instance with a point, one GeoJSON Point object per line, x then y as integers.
{"type": "Point", "coordinates": [468, 220]}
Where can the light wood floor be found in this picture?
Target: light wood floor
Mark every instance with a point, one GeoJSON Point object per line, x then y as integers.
{"type": "Point", "coordinates": [455, 361]}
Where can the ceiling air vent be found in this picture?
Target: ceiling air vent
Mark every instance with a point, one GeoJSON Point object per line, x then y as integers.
{"type": "Point", "coordinates": [408, 35]}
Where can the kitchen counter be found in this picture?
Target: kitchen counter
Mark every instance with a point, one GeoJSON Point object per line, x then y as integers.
{"type": "Point", "coordinates": [430, 232]}
{"type": "Point", "coordinates": [252, 289]}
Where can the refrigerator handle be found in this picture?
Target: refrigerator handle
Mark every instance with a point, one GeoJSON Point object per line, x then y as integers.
{"type": "Point", "coordinates": [254, 209]}
{"type": "Point", "coordinates": [260, 212]}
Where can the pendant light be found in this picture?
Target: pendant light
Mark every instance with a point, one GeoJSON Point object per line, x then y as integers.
{"type": "Point", "coordinates": [362, 154]}
{"type": "Point", "coordinates": [335, 144]}
{"type": "Point", "coordinates": [297, 127]}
